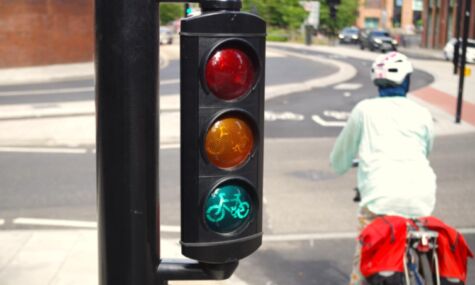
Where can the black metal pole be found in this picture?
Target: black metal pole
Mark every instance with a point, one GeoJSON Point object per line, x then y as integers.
{"type": "Point", "coordinates": [127, 140]}
{"type": "Point", "coordinates": [458, 20]}
{"type": "Point", "coordinates": [466, 22]}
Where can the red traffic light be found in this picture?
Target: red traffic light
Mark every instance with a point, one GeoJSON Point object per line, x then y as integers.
{"type": "Point", "coordinates": [230, 73]}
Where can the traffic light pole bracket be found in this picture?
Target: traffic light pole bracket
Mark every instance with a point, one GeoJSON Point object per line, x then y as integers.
{"type": "Point", "coordinates": [183, 269]}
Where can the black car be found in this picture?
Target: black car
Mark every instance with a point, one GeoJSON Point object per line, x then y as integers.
{"type": "Point", "coordinates": [377, 40]}
{"type": "Point", "coordinates": [349, 35]}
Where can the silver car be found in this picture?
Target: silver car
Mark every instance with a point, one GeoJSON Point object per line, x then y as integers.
{"type": "Point", "coordinates": [166, 36]}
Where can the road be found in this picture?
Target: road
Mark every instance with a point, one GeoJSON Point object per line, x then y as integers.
{"type": "Point", "coordinates": [309, 215]}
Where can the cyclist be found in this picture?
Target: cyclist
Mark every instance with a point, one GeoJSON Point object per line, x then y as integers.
{"type": "Point", "coordinates": [392, 137]}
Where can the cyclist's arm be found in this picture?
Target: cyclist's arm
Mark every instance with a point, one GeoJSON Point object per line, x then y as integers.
{"type": "Point", "coordinates": [347, 144]}
{"type": "Point", "coordinates": [429, 136]}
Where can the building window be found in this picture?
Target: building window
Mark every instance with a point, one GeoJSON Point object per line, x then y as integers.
{"type": "Point", "coordinates": [371, 23]}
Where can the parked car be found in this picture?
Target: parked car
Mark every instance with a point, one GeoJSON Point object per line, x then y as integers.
{"type": "Point", "coordinates": [166, 36]}
{"type": "Point", "coordinates": [450, 46]}
{"type": "Point", "coordinates": [349, 35]}
{"type": "Point", "coordinates": [377, 40]}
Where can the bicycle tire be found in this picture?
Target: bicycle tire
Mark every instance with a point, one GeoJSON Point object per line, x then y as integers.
{"type": "Point", "coordinates": [215, 214]}
{"type": "Point", "coordinates": [426, 269]}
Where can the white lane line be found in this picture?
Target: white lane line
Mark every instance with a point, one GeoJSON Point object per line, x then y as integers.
{"type": "Point", "coordinates": [467, 231]}
{"type": "Point", "coordinates": [76, 224]}
{"type": "Point", "coordinates": [47, 91]}
{"type": "Point", "coordinates": [43, 150]}
{"type": "Point", "coordinates": [66, 90]}
{"type": "Point", "coordinates": [14, 149]}
{"type": "Point", "coordinates": [284, 116]}
{"type": "Point", "coordinates": [169, 81]}
{"type": "Point", "coordinates": [57, 223]}
{"type": "Point", "coordinates": [176, 229]}
{"type": "Point", "coordinates": [348, 86]}
{"type": "Point", "coordinates": [324, 123]}
{"type": "Point", "coordinates": [2, 222]}
{"type": "Point", "coordinates": [169, 146]}
{"type": "Point", "coordinates": [170, 229]}
{"type": "Point", "coordinates": [339, 115]}
{"type": "Point", "coordinates": [330, 236]}
{"type": "Point", "coordinates": [305, 237]}
{"type": "Point", "coordinates": [347, 94]}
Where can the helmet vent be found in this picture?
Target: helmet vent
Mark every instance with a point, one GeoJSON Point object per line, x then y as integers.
{"type": "Point", "coordinates": [392, 70]}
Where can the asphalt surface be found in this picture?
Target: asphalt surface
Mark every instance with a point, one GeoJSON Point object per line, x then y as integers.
{"type": "Point", "coordinates": [277, 69]}
{"type": "Point", "coordinates": [328, 102]}
{"type": "Point", "coordinates": [303, 196]}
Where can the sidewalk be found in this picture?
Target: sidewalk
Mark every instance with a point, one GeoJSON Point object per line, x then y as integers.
{"type": "Point", "coordinates": [61, 257]}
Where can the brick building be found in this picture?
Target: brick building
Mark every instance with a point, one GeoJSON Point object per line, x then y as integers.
{"type": "Point", "coordinates": [37, 32]}
{"type": "Point", "coordinates": [439, 21]}
{"type": "Point", "coordinates": [389, 14]}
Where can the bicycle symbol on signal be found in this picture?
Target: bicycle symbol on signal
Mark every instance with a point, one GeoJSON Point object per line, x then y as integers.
{"type": "Point", "coordinates": [234, 206]}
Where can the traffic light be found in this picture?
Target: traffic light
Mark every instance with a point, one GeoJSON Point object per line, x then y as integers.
{"type": "Point", "coordinates": [333, 5]}
{"type": "Point", "coordinates": [188, 9]}
{"type": "Point", "coordinates": [222, 119]}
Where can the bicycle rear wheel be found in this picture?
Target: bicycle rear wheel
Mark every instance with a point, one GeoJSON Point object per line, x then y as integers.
{"type": "Point", "coordinates": [426, 269]}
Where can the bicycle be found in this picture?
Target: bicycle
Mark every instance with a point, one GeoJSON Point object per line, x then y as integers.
{"type": "Point", "coordinates": [235, 207]}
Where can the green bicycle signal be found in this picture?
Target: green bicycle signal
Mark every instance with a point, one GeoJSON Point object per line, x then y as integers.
{"type": "Point", "coordinates": [227, 208]}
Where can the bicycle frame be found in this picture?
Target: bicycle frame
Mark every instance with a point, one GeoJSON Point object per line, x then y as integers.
{"type": "Point", "coordinates": [418, 268]}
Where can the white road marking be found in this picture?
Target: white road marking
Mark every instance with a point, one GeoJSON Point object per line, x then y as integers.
{"type": "Point", "coordinates": [2, 222]}
{"type": "Point", "coordinates": [169, 146]}
{"type": "Point", "coordinates": [76, 224]}
{"type": "Point", "coordinates": [348, 86]}
{"type": "Point", "coordinates": [43, 150]}
{"type": "Point", "coordinates": [330, 236]}
{"type": "Point", "coordinates": [305, 237]}
{"type": "Point", "coordinates": [176, 229]}
{"type": "Point", "coordinates": [324, 123]}
{"type": "Point", "coordinates": [274, 53]}
{"type": "Point", "coordinates": [467, 231]}
{"type": "Point", "coordinates": [169, 81]}
{"type": "Point", "coordinates": [347, 94]}
{"type": "Point", "coordinates": [339, 115]}
{"type": "Point", "coordinates": [285, 116]}
{"type": "Point", "coordinates": [51, 222]}
{"type": "Point", "coordinates": [56, 150]}
{"type": "Point", "coordinates": [47, 91]}
{"type": "Point", "coordinates": [66, 90]}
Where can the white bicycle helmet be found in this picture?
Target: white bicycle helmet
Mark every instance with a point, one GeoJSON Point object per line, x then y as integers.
{"type": "Point", "coordinates": [390, 69]}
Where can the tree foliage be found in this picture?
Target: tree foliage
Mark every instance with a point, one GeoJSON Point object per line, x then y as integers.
{"type": "Point", "coordinates": [170, 12]}
{"type": "Point", "coordinates": [286, 14]}
{"type": "Point", "coordinates": [346, 16]}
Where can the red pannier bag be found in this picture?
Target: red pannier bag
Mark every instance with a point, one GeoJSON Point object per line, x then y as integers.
{"type": "Point", "coordinates": [452, 251]}
{"type": "Point", "coordinates": [383, 244]}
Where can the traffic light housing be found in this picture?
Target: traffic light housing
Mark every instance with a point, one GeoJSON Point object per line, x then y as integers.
{"type": "Point", "coordinates": [222, 120]}
{"type": "Point", "coordinates": [333, 5]}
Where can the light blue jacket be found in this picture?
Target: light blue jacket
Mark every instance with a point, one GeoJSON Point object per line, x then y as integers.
{"type": "Point", "coordinates": [391, 137]}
